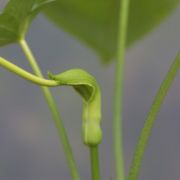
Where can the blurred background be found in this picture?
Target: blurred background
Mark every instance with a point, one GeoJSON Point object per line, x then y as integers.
{"type": "Point", "coordinates": [29, 144]}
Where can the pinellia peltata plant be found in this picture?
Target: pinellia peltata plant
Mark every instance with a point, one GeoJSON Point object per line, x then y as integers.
{"type": "Point", "coordinates": [108, 27]}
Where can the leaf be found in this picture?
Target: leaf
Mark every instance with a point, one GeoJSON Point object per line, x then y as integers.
{"type": "Point", "coordinates": [94, 22]}
{"type": "Point", "coordinates": [87, 87]}
{"type": "Point", "coordinates": [16, 18]}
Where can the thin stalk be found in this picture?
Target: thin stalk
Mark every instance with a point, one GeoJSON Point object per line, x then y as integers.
{"type": "Point", "coordinates": [94, 156]}
{"type": "Point", "coordinates": [26, 75]}
{"type": "Point", "coordinates": [150, 120]}
{"type": "Point", "coordinates": [54, 111]}
{"type": "Point", "coordinates": [117, 125]}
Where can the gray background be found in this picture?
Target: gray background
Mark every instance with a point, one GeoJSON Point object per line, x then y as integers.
{"type": "Point", "coordinates": [29, 146]}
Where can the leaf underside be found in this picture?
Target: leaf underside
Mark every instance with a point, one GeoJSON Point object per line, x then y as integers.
{"type": "Point", "coordinates": [95, 22]}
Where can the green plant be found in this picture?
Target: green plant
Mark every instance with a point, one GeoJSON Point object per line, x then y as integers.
{"type": "Point", "coordinates": [115, 35]}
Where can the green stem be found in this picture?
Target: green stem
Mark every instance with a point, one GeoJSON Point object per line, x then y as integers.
{"type": "Point", "coordinates": [117, 126]}
{"type": "Point", "coordinates": [95, 172]}
{"type": "Point", "coordinates": [26, 75]}
{"type": "Point", "coordinates": [54, 110]}
{"type": "Point", "coordinates": [150, 120]}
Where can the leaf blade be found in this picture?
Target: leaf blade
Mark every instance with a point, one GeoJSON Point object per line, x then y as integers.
{"type": "Point", "coordinates": [95, 22]}
{"type": "Point", "coordinates": [16, 19]}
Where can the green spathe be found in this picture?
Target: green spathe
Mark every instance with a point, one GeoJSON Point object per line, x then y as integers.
{"type": "Point", "coordinates": [87, 87]}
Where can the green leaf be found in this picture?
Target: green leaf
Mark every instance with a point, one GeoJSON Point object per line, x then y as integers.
{"type": "Point", "coordinates": [95, 21]}
{"type": "Point", "coordinates": [16, 18]}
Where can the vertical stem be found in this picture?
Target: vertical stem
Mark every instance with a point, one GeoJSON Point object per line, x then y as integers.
{"type": "Point", "coordinates": [54, 111]}
{"type": "Point", "coordinates": [150, 120]}
{"type": "Point", "coordinates": [95, 172]}
{"type": "Point", "coordinates": [117, 126]}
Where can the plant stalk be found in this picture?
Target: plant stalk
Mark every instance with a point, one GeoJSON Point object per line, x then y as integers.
{"type": "Point", "coordinates": [54, 111]}
{"type": "Point", "coordinates": [26, 75]}
{"type": "Point", "coordinates": [118, 92]}
{"type": "Point", "coordinates": [94, 156]}
{"type": "Point", "coordinates": [150, 120]}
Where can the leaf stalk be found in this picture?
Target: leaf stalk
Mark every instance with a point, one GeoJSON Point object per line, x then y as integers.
{"type": "Point", "coordinates": [54, 111]}
{"type": "Point", "coordinates": [94, 156]}
{"type": "Point", "coordinates": [150, 120]}
{"type": "Point", "coordinates": [118, 90]}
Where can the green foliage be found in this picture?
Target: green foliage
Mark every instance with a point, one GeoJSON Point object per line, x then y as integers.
{"type": "Point", "coordinates": [95, 22]}
{"type": "Point", "coordinates": [16, 18]}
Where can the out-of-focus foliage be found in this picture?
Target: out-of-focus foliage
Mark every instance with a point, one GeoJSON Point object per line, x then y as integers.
{"type": "Point", "coordinates": [95, 21]}
{"type": "Point", "coordinates": [16, 18]}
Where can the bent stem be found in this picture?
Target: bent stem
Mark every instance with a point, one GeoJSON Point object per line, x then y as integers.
{"type": "Point", "coordinates": [54, 111]}
{"type": "Point", "coordinates": [94, 156]}
{"type": "Point", "coordinates": [117, 125]}
{"type": "Point", "coordinates": [150, 120]}
{"type": "Point", "coordinates": [26, 75]}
